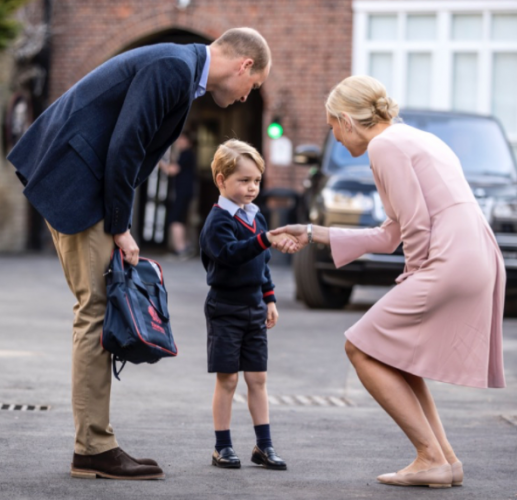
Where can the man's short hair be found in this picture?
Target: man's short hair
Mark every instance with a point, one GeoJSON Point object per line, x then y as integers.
{"type": "Point", "coordinates": [228, 154]}
{"type": "Point", "coordinates": [246, 42]}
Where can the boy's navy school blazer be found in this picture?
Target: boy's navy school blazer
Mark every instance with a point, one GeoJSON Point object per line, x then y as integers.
{"type": "Point", "coordinates": [235, 256]}
{"type": "Point", "coordinates": [82, 159]}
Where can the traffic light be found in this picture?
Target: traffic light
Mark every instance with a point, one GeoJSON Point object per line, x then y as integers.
{"type": "Point", "coordinates": [275, 129]}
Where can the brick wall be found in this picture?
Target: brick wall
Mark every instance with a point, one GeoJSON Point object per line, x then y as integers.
{"type": "Point", "coordinates": [13, 205]}
{"type": "Point", "coordinates": [310, 42]}
{"type": "Point", "coordinates": [14, 208]}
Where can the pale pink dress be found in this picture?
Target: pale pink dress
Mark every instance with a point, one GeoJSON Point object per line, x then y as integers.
{"type": "Point", "coordinates": [443, 319]}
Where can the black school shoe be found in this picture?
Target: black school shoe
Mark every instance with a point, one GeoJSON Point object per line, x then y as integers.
{"type": "Point", "coordinates": [267, 458]}
{"type": "Point", "coordinates": [226, 459]}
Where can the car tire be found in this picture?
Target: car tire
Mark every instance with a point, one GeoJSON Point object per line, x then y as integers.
{"type": "Point", "coordinates": [510, 306]}
{"type": "Point", "coordinates": [311, 289]}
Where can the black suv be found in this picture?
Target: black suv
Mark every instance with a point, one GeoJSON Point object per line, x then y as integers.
{"type": "Point", "coordinates": [340, 191]}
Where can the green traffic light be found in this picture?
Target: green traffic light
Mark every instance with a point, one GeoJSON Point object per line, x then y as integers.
{"type": "Point", "coordinates": [275, 130]}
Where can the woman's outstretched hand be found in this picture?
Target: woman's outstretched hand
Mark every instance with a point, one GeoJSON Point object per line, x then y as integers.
{"type": "Point", "coordinates": [283, 242]}
{"type": "Point", "coordinates": [297, 233]}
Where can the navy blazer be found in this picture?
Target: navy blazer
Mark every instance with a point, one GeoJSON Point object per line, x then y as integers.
{"type": "Point", "coordinates": [82, 159]}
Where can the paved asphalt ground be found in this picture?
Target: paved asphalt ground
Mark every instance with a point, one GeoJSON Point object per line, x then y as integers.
{"type": "Point", "coordinates": [334, 448]}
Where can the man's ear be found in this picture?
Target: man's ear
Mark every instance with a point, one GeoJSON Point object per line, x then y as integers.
{"type": "Point", "coordinates": [246, 65]}
{"type": "Point", "coordinates": [219, 179]}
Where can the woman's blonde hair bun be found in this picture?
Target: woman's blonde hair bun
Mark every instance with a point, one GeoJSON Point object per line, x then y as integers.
{"type": "Point", "coordinates": [364, 98]}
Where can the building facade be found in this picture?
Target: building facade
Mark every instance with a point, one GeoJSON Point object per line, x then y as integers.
{"type": "Point", "coordinates": [311, 50]}
{"type": "Point", "coordinates": [458, 55]}
{"type": "Point", "coordinates": [442, 54]}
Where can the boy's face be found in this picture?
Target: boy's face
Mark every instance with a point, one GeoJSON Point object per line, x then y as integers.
{"type": "Point", "coordinates": [243, 186]}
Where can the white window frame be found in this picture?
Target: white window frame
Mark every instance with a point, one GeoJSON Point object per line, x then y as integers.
{"type": "Point", "coordinates": [442, 48]}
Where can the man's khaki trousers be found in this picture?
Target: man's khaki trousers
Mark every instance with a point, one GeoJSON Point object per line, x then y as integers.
{"type": "Point", "coordinates": [85, 257]}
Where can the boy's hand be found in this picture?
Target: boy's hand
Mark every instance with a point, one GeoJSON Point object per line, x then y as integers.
{"type": "Point", "coordinates": [284, 242]}
{"type": "Point", "coordinates": [272, 315]}
{"type": "Point", "coordinates": [297, 231]}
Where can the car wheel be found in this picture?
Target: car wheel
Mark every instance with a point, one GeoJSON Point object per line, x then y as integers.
{"type": "Point", "coordinates": [510, 306]}
{"type": "Point", "coordinates": [311, 289]}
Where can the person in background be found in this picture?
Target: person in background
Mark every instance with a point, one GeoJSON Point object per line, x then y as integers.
{"type": "Point", "coordinates": [179, 163]}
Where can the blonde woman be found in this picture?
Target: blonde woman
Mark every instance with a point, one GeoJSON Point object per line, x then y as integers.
{"type": "Point", "coordinates": [443, 320]}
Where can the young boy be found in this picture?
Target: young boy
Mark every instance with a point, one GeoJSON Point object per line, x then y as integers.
{"type": "Point", "coordinates": [241, 302]}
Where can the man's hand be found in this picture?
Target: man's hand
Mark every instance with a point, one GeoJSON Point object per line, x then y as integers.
{"type": "Point", "coordinates": [284, 242]}
{"type": "Point", "coordinates": [128, 246]}
{"type": "Point", "coordinates": [272, 315]}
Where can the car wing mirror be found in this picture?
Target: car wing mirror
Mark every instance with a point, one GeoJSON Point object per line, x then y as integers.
{"type": "Point", "coordinates": [307, 155]}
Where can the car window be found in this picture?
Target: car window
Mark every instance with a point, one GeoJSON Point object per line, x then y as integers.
{"type": "Point", "coordinates": [479, 143]}
{"type": "Point", "coordinates": [341, 159]}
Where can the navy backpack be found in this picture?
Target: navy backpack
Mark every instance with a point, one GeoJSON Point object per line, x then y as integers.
{"type": "Point", "coordinates": [136, 325]}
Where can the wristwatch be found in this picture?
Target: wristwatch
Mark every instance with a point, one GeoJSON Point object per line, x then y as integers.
{"type": "Point", "coordinates": [309, 232]}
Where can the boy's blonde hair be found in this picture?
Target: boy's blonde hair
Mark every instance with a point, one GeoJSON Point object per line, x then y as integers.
{"type": "Point", "coordinates": [228, 154]}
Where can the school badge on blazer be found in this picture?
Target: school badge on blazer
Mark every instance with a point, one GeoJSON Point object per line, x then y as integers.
{"type": "Point", "coordinates": [137, 323]}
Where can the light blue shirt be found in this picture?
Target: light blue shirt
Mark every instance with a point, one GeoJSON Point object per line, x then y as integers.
{"type": "Point", "coordinates": [201, 88]}
{"type": "Point", "coordinates": [247, 214]}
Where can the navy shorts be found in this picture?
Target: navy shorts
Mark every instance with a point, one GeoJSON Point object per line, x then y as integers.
{"type": "Point", "coordinates": [237, 337]}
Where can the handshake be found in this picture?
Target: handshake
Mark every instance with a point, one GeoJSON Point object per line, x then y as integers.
{"type": "Point", "coordinates": [288, 239]}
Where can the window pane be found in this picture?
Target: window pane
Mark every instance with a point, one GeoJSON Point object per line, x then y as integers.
{"type": "Point", "coordinates": [504, 97]}
{"type": "Point", "coordinates": [419, 80]}
{"type": "Point", "coordinates": [467, 27]}
{"type": "Point", "coordinates": [504, 27]}
{"type": "Point", "coordinates": [381, 67]}
{"type": "Point", "coordinates": [464, 85]}
{"type": "Point", "coordinates": [382, 27]}
{"type": "Point", "coordinates": [421, 27]}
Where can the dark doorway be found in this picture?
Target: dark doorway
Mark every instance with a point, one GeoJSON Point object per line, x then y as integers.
{"type": "Point", "coordinates": [210, 125]}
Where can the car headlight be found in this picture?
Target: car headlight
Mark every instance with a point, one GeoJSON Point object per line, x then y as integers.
{"type": "Point", "coordinates": [504, 210]}
{"type": "Point", "coordinates": [487, 207]}
{"type": "Point", "coordinates": [345, 201]}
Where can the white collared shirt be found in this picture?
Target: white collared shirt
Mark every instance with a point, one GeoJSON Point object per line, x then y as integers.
{"type": "Point", "coordinates": [247, 214]}
{"type": "Point", "coordinates": [201, 88]}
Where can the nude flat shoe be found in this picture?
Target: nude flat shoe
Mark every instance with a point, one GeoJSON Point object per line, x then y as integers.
{"type": "Point", "coordinates": [457, 473]}
{"type": "Point", "coordinates": [436, 477]}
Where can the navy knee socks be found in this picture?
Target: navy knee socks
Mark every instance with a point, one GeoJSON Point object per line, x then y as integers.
{"type": "Point", "coordinates": [222, 440]}
{"type": "Point", "coordinates": [263, 434]}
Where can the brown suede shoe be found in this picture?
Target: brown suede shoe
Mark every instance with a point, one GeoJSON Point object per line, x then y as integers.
{"type": "Point", "coordinates": [142, 461]}
{"type": "Point", "coordinates": [112, 464]}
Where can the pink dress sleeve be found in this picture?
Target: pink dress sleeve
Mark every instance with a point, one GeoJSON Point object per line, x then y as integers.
{"type": "Point", "coordinates": [349, 244]}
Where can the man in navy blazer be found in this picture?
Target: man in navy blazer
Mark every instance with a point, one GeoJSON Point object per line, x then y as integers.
{"type": "Point", "coordinates": [80, 163]}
